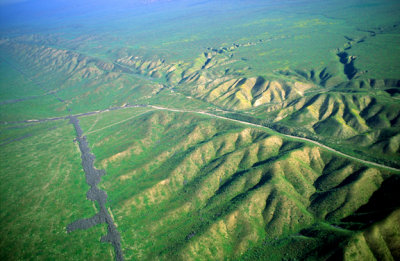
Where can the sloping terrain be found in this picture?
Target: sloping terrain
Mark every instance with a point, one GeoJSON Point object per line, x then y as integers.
{"type": "Point", "coordinates": [314, 103]}
{"type": "Point", "coordinates": [83, 83]}
{"type": "Point", "coordinates": [380, 241]}
{"type": "Point", "coordinates": [379, 222]}
{"type": "Point", "coordinates": [245, 93]}
{"type": "Point", "coordinates": [188, 187]}
{"type": "Point", "coordinates": [227, 130]}
{"type": "Point", "coordinates": [361, 118]}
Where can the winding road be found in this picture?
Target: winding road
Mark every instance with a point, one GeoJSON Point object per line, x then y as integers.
{"type": "Point", "coordinates": [285, 135]}
{"type": "Point", "coordinates": [93, 175]}
{"type": "Point", "coordinates": [292, 137]}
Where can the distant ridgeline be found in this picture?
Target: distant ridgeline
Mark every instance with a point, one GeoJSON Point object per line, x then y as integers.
{"type": "Point", "coordinates": [229, 130]}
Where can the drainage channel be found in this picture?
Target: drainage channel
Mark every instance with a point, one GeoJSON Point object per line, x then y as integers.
{"type": "Point", "coordinates": [93, 177]}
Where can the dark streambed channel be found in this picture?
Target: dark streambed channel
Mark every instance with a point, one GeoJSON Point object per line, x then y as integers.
{"type": "Point", "coordinates": [93, 177]}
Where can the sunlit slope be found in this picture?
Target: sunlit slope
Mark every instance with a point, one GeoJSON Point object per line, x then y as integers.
{"type": "Point", "coordinates": [380, 241]}
{"type": "Point", "coordinates": [343, 100]}
{"type": "Point", "coordinates": [368, 120]}
{"type": "Point", "coordinates": [189, 187]}
{"type": "Point", "coordinates": [333, 99]}
{"type": "Point", "coordinates": [42, 190]}
{"type": "Point", "coordinates": [321, 241]}
{"type": "Point", "coordinates": [379, 223]}
{"type": "Point", "coordinates": [192, 187]}
{"type": "Point", "coordinates": [79, 82]}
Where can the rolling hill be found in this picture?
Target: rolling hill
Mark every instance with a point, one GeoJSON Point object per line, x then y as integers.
{"type": "Point", "coordinates": [200, 130]}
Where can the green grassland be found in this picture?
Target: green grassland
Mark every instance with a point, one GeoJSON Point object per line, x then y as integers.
{"type": "Point", "coordinates": [43, 190]}
{"type": "Point", "coordinates": [187, 186]}
{"type": "Point", "coordinates": [13, 85]}
{"type": "Point", "coordinates": [374, 57]}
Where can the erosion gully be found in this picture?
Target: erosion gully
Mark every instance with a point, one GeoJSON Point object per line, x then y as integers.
{"type": "Point", "coordinates": [93, 177]}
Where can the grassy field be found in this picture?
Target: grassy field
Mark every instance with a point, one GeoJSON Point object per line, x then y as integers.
{"type": "Point", "coordinates": [14, 85]}
{"type": "Point", "coordinates": [187, 186]}
{"type": "Point", "coordinates": [43, 190]}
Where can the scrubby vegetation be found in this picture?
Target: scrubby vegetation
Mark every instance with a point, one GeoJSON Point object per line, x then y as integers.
{"type": "Point", "coordinates": [184, 183]}
{"type": "Point", "coordinates": [186, 187]}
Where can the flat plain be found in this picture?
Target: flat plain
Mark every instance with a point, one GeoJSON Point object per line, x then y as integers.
{"type": "Point", "coordinates": [227, 130]}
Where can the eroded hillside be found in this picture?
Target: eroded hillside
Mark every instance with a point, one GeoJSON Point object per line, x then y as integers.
{"type": "Point", "coordinates": [228, 130]}
{"type": "Point", "coordinates": [190, 187]}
